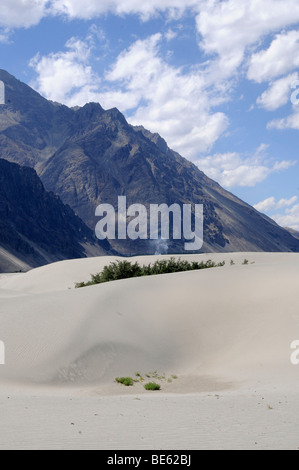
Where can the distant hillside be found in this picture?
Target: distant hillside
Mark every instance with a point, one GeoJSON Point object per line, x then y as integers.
{"type": "Point", "coordinates": [90, 156]}
{"type": "Point", "coordinates": [36, 228]}
{"type": "Point", "coordinates": [293, 232]}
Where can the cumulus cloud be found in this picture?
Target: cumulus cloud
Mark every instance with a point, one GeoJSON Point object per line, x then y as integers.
{"type": "Point", "coordinates": [286, 202]}
{"type": "Point", "coordinates": [289, 219]}
{"type": "Point", "coordinates": [233, 170]}
{"type": "Point", "coordinates": [65, 76]}
{"type": "Point", "coordinates": [271, 204]}
{"type": "Point", "coordinates": [26, 13]}
{"type": "Point", "coordinates": [22, 13]}
{"type": "Point", "coordinates": [173, 103]}
{"type": "Point", "coordinates": [266, 205]}
{"type": "Point", "coordinates": [290, 122]}
{"type": "Point", "coordinates": [146, 9]}
{"type": "Point", "coordinates": [231, 27]}
{"type": "Point", "coordinates": [142, 84]}
{"type": "Point", "coordinates": [280, 58]}
{"type": "Point", "coordinates": [278, 94]}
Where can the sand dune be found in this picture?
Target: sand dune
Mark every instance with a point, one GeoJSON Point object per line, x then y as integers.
{"type": "Point", "coordinates": [11, 263]}
{"type": "Point", "coordinates": [226, 330]}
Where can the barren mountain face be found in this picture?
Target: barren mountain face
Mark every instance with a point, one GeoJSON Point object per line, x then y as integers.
{"type": "Point", "coordinates": [36, 228]}
{"type": "Point", "coordinates": [89, 156]}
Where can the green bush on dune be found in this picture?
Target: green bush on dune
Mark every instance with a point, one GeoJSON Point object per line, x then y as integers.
{"type": "Point", "coordinates": [127, 381]}
{"type": "Point", "coordinates": [152, 386]}
{"type": "Point", "coordinates": [125, 270]}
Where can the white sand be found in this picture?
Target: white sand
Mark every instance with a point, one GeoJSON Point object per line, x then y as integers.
{"type": "Point", "coordinates": [225, 332]}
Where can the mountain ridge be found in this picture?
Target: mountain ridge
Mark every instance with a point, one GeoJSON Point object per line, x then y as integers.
{"type": "Point", "coordinates": [36, 228]}
{"type": "Point", "coordinates": [89, 156]}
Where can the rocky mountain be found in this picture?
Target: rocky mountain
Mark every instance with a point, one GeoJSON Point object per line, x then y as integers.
{"type": "Point", "coordinates": [36, 228]}
{"type": "Point", "coordinates": [293, 232]}
{"type": "Point", "coordinates": [90, 156]}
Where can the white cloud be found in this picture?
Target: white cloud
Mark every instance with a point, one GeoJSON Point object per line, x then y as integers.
{"type": "Point", "coordinates": [22, 13]}
{"type": "Point", "coordinates": [280, 58]}
{"type": "Point", "coordinates": [229, 28]}
{"type": "Point", "coordinates": [66, 77]}
{"type": "Point", "coordinates": [232, 170]}
{"type": "Point", "coordinates": [278, 94]}
{"type": "Point", "coordinates": [173, 103]}
{"type": "Point", "coordinates": [146, 9]}
{"type": "Point", "coordinates": [290, 219]}
{"type": "Point", "coordinates": [286, 202]}
{"type": "Point", "coordinates": [290, 122]}
{"type": "Point", "coordinates": [4, 36]}
{"type": "Point", "coordinates": [170, 35]}
{"type": "Point", "coordinates": [26, 13]}
{"type": "Point", "coordinates": [141, 83]}
{"type": "Point", "coordinates": [168, 95]}
{"type": "Point", "coordinates": [266, 205]}
{"type": "Point", "coordinates": [271, 204]}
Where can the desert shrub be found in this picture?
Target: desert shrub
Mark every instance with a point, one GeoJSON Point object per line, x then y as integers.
{"type": "Point", "coordinates": [118, 270]}
{"type": "Point", "coordinates": [127, 381]}
{"type": "Point", "coordinates": [245, 262]}
{"type": "Point", "coordinates": [221, 264]}
{"type": "Point", "coordinates": [152, 386]}
{"type": "Point", "coordinates": [124, 270]}
{"type": "Point", "coordinates": [80, 284]}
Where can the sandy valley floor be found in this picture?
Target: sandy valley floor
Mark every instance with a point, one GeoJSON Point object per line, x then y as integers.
{"type": "Point", "coordinates": [225, 333]}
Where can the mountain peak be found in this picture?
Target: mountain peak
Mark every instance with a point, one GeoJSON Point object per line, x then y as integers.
{"type": "Point", "coordinates": [90, 156]}
{"type": "Point", "coordinates": [19, 96]}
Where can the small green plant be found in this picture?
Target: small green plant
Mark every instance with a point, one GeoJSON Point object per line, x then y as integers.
{"type": "Point", "coordinates": [139, 376]}
{"type": "Point", "coordinates": [127, 381]}
{"type": "Point", "coordinates": [220, 265]}
{"type": "Point", "coordinates": [152, 386]}
{"type": "Point", "coordinates": [139, 379]}
{"type": "Point", "coordinates": [232, 263]}
{"type": "Point", "coordinates": [245, 262]}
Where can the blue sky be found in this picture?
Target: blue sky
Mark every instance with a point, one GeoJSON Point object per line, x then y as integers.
{"type": "Point", "coordinates": [213, 77]}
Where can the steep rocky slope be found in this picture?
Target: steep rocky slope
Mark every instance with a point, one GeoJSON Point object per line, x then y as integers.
{"type": "Point", "coordinates": [35, 226]}
{"type": "Point", "coordinates": [90, 156]}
